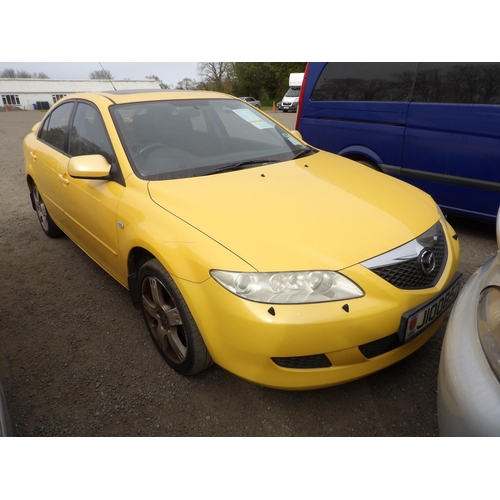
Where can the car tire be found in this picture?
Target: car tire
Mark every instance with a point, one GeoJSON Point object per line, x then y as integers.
{"type": "Point", "coordinates": [169, 321]}
{"type": "Point", "coordinates": [49, 227]}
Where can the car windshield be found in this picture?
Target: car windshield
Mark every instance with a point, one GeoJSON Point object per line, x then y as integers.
{"type": "Point", "coordinates": [192, 137]}
{"type": "Point", "coordinates": [293, 92]}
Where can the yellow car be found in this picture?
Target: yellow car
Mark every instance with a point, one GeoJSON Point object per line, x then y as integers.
{"type": "Point", "coordinates": [243, 246]}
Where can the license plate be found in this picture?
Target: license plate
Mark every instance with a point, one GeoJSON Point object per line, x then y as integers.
{"type": "Point", "coordinates": [414, 322]}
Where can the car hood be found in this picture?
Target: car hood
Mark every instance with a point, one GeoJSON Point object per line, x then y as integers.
{"type": "Point", "coordinates": [319, 212]}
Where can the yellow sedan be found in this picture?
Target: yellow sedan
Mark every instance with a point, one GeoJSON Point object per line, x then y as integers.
{"type": "Point", "coordinates": [243, 246]}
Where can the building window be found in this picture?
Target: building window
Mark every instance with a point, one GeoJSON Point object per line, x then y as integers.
{"type": "Point", "coordinates": [10, 99]}
{"type": "Point", "coordinates": [56, 97]}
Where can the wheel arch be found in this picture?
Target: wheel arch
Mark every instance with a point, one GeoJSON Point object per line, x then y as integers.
{"type": "Point", "coordinates": [137, 257]}
{"type": "Point", "coordinates": [363, 155]}
{"type": "Point", "coordinates": [30, 181]}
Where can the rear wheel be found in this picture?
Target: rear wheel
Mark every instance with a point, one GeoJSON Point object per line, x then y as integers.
{"type": "Point", "coordinates": [169, 321]}
{"type": "Point", "coordinates": [48, 225]}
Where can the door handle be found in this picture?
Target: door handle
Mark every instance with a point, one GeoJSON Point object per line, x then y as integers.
{"type": "Point", "coordinates": [33, 155]}
{"type": "Point", "coordinates": [63, 179]}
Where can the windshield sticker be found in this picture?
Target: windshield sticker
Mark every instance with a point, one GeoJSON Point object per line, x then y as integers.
{"type": "Point", "coordinates": [253, 118]}
{"type": "Point", "coordinates": [292, 139]}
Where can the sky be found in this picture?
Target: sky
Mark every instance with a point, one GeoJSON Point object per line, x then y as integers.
{"type": "Point", "coordinates": [169, 41]}
{"type": "Point", "coordinates": [168, 72]}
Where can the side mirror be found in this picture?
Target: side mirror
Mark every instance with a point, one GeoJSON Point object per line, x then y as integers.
{"type": "Point", "coordinates": [89, 167]}
{"type": "Point", "coordinates": [35, 127]}
{"type": "Point", "coordinates": [297, 135]}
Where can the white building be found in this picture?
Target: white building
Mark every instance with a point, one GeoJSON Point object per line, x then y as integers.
{"type": "Point", "coordinates": [43, 93]}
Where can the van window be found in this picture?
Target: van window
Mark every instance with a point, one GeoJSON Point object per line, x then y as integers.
{"type": "Point", "coordinates": [369, 81]}
{"type": "Point", "coordinates": [293, 92]}
{"type": "Point", "coordinates": [466, 83]}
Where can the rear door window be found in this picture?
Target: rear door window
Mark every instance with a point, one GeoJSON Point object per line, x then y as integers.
{"type": "Point", "coordinates": [54, 129]}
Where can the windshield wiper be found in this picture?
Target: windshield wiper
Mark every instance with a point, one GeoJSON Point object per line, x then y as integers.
{"type": "Point", "coordinates": [304, 152]}
{"type": "Point", "coordinates": [240, 165]}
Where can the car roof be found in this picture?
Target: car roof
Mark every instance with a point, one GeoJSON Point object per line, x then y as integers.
{"type": "Point", "coordinates": [141, 95]}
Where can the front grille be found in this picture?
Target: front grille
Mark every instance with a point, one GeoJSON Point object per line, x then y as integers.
{"type": "Point", "coordinates": [304, 362]}
{"type": "Point", "coordinates": [380, 346]}
{"type": "Point", "coordinates": [409, 276]}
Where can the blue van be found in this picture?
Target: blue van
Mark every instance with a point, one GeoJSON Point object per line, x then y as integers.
{"type": "Point", "coordinates": [434, 125]}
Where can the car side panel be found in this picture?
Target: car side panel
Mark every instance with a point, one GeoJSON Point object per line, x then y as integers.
{"type": "Point", "coordinates": [44, 165]}
{"type": "Point", "coordinates": [90, 209]}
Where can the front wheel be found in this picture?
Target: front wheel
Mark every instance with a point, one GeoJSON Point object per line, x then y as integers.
{"type": "Point", "coordinates": [169, 321]}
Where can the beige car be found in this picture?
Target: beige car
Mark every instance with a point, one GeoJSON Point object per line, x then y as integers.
{"type": "Point", "coordinates": [469, 369]}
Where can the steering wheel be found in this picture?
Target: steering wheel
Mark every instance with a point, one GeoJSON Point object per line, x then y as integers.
{"type": "Point", "coordinates": [152, 147]}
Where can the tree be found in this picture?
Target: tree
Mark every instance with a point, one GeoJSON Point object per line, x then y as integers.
{"type": "Point", "coordinates": [8, 73]}
{"type": "Point", "coordinates": [101, 74]}
{"type": "Point", "coordinates": [187, 84]}
{"type": "Point", "coordinates": [217, 76]}
{"type": "Point", "coordinates": [265, 79]}
{"type": "Point", "coordinates": [23, 74]}
{"type": "Point", "coordinates": [20, 73]}
{"type": "Point", "coordinates": [157, 79]}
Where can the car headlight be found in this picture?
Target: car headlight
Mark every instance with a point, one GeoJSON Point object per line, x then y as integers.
{"type": "Point", "coordinates": [302, 287]}
{"type": "Point", "coordinates": [443, 217]}
{"type": "Point", "coordinates": [488, 320]}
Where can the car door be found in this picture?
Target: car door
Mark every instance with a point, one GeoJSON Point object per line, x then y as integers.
{"type": "Point", "coordinates": [91, 204]}
{"type": "Point", "coordinates": [48, 155]}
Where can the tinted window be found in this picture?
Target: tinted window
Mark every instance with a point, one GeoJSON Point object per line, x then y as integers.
{"type": "Point", "coordinates": [471, 83]}
{"type": "Point", "coordinates": [88, 134]}
{"type": "Point", "coordinates": [365, 82]}
{"type": "Point", "coordinates": [54, 130]}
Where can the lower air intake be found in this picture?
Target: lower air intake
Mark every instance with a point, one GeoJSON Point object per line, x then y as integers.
{"type": "Point", "coordinates": [304, 362]}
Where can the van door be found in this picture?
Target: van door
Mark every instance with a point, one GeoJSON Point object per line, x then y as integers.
{"type": "Point", "coordinates": [452, 139]}
{"type": "Point", "coordinates": [474, 159]}
{"type": "Point", "coordinates": [358, 110]}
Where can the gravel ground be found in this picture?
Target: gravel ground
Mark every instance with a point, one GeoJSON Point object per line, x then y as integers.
{"type": "Point", "coordinates": [76, 360]}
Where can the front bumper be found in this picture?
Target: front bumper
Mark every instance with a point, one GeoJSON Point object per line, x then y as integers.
{"type": "Point", "coordinates": [308, 346]}
{"type": "Point", "coordinates": [289, 106]}
{"type": "Point", "coordinates": [468, 390]}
